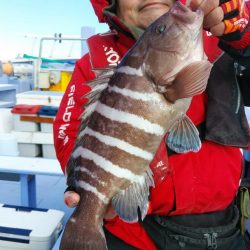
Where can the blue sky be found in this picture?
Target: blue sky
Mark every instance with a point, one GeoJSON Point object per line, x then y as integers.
{"type": "Point", "coordinates": [23, 20]}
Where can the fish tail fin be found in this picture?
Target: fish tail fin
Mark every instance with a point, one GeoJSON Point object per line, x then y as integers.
{"type": "Point", "coordinates": [77, 236]}
{"type": "Point", "coordinates": [183, 136]}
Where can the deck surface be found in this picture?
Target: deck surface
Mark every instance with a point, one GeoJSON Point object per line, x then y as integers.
{"type": "Point", "coordinates": [50, 191]}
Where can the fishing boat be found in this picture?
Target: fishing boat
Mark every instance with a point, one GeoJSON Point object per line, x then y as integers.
{"type": "Point", "coordinates": [31, 89]}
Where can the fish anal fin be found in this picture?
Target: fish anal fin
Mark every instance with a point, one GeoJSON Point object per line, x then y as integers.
{"type": "Point", "coordinates": [183, 136]}
{"type": "Point", "coordinates": [190, 81]}
{"type": "Point", "coordinates": [127, 202]}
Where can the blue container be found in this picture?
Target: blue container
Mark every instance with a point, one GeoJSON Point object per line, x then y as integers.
{"type": "Point", "coordinates": [7, 95]}
{"type": "Point", "coordinates": [22, 84]}
{"type": "Point", "coordinates": [48, 111]}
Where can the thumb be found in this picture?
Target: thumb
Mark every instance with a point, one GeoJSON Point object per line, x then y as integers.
{"type": "Point", "coordinates": [71, 198]}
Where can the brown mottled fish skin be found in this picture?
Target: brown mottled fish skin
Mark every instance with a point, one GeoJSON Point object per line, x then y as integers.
{"type": "Point", "coordinates": [148, 94]}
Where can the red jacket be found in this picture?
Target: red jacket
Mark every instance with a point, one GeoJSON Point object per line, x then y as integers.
{"type": "Point", "coordinates": [198, 182]}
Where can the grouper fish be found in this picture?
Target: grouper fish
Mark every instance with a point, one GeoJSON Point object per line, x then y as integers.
{"type": "Point", "coordinates": [129, 110]}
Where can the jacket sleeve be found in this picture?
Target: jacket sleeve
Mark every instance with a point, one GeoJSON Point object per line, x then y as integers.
{"type": "Point", "coordinates": [71, 107]}
{"type": "Point", "coordinates": [239, 49]}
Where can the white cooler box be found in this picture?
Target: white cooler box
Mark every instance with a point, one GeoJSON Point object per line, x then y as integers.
{"type": "Point", "coordinates": [47, 142]}
{"type": "Point", "coordinates": [26, 146]}
{"type": "Point", "coordinates": [38, 97]}
{"type": "Point", "coordinates": [26, 228]}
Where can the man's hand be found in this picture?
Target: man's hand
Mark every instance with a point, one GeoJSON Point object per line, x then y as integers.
{"type": "Point", "coordinates": [225, 18]}
{"type": "Point", "coordinates": [71, 199]}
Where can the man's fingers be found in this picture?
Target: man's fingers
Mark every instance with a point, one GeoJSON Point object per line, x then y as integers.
{"type": "Point", "coordinates": [206, 5]}
{"type": "Point", "coordinates": [71, 198]}
{"type": "Point", "coordinates": [213, 18]}
{"type": "Point", "coordinates": [218, 30]}
{"type": "Point", "coordinates": [213, 15]}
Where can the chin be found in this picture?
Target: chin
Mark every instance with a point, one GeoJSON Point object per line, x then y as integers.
{"type": "Point", "coordinates": [146, 20]}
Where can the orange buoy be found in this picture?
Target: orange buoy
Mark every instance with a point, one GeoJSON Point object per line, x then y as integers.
{"type": "Point", "coordinates": [7, 68]}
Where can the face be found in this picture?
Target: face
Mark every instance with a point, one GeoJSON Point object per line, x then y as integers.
{"type": "Point", "coordinates": [141, 13]}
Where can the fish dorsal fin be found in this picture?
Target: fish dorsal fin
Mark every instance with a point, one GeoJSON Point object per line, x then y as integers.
{"type": "Point", "coordinates": [103, 77]}
{"type": "Point", "coordinates": [183, 136]}
{"type": "Point", "coordinates": [97, 86]}
{"type": "Point", "coordinates": [127, 202]}
{"type": "Point", "coordinates": [190, 81]}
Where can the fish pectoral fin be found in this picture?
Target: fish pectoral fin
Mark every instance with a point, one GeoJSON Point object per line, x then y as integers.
{"type": "Point", "coordinates": [127, 202]}
{"type": "Point", "coordinates": [183, 136]}
{"type": "Point", "coordinates": [190, 81]}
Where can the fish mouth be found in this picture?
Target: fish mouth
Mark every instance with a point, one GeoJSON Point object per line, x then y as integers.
{"type": "Point", "coordinates": [192, 19]}
{"type": "Point", "coordinates": [150, 5]}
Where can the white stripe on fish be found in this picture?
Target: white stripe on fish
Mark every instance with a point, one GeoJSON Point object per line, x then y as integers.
{"type": "Point", "coordinates": [85, 170]}
{"type": "Point", "coordinates": [123, 145]}
{"type": "Point", "coordinates": [107, 165]}
{"type": "Point", "coordinates": [130, 71]}
{"type": "Point", "coordinates": [146, 97]}
{"type": "Point", "coordinates": [131, 119]}
{"type": "Point", "coordinates": [89, 173]}
{"type": "Point", "coordinates": [86, 186]}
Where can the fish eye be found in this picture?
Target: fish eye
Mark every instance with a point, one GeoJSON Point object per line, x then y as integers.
{"type": "Point", "coordinates": [160, 28]}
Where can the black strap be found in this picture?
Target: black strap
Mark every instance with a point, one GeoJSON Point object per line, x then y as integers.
{"type": "Point", "coordinates": [115, 243]}
{"type": "Point", "coordinates": [70, 188]}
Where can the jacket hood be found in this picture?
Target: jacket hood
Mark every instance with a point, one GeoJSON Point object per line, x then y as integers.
{"type": "Point", "coordinates": [98, 6]}
{"type": "Point", "coordinates": [105, 11]}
